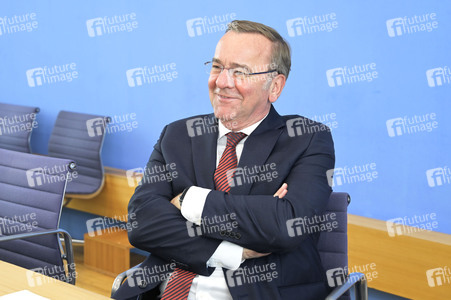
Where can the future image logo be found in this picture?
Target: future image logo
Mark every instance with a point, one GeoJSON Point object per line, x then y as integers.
{"type": "Point", "coordinates": [95, 126]}
{"type": "Point", "coordinates": [299, 126]}
{"type": "Point", "coordinates": [195, 26]}
{"type": "Point", "coordinates": [134, 176]}
{"type": "Point", "coordinates": [95, 226]}
{"type": "Point", "coordinates": [201, 125]}
{"type": "Point", "coordinates": [336, 277]}
{"type": "Point", "coordinates": [18, 23]}
{"type": "Point", "coordinates": [438, 276]}
{"type": "Point", "coordinates": [224, 224]}
{"type": "Point", "coordinates": [250, 275]}
{"type": "Point", "coordinates": [54, 273]}
{"type": "Point", "coordinates": [51, 74]}
{"type": "Point", "coordinates": [193, 229]}
{"type": "Point", "coordinates": [143, 276]}
{"type": "Point", "coordinates": [100, 225]}
{"type": "Point", "coordinates": [48, 175]}
{"type": "Point", "coordinates": [313, 24]}
{"type": "Point", "coordinates": [438, 76]}
{"type": "Point", "coordinates": [208, 25]}
{"type": "Point", "coordinates": [35, 77]}
{"type": "Point", "coordinates": [149, 75]}
{"type": "Point", "coordinates": [110, 125]}
{"type": "Point", "coordinates": [351, 75]}
{"type": "Point", "coordinates": [95, 27]}
{"type": "Point", "coordinates": [35, 177]}
{"type": "Point", "coordinates": [411, 124]}
{"type": "Point", "coordinates": [18, 224]}
{"type": "Point", "coordinates": [394, 27]}
{"type": "Point", "coordinates": [135, 77]}
{"type": "Point", "coordinates": [350, 175]}
{"type": "Point", "coordinates": [438, 176]}
{"type": "Point", "coordinates": [410, 25]}
{"type": "Point", "coordinates": [154, 174]}
{"type": "Point", "coordinates": [313, 224]}
{"type": "Point", "coordinates": [252, 174]}
{"type": "Point", "coordinates": [13, 124]}
{"type": "Point", "coordinates": [411, 225]}
{"type": "Point", "coordinates": [109, 25]}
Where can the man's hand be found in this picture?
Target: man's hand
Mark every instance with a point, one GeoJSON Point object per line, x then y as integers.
{"type": "Point", "coordinates": [176, 201]}
{"type": "Point", "coordinates": [282, 191]}
{"type": "Point", "coordinates": [248, 253]}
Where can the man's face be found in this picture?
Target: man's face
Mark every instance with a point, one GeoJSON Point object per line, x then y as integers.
{"type": "Point", "coordinates": [241, 102]}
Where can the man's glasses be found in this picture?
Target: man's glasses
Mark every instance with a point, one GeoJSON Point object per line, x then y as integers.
{"type": "Point", "coordinates": [214, 68]}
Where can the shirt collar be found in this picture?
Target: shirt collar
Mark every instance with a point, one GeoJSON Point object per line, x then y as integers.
{"type": "Point", "coordinates": [248, 130]}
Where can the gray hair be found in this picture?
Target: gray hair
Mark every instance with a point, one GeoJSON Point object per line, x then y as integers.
{"type": "Point", "coordinates": [281, 53]}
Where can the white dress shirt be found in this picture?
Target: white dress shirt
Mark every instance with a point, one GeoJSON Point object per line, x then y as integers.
{"type": "Point", "coordinates": [227, 255]}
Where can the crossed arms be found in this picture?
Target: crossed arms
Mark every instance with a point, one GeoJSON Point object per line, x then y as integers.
{"type": "Point", "coordinates": [261, 218]}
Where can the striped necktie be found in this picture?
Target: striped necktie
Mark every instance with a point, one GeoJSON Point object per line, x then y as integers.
{"type": "Point", "coordinates": [227, 162]}
{"type": "Point", "coordinates": [180, 282]}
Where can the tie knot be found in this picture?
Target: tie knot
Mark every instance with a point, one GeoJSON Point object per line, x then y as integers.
{"type": "Point", "coordinates": [233, 138]}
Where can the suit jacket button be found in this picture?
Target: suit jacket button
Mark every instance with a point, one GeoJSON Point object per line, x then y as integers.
{"type": "Point", "coordinates": [232, 234]}
{"type": "Point", "coordinates": [222, 233]}
{"type": "Point", "coordinates": [237, 235]}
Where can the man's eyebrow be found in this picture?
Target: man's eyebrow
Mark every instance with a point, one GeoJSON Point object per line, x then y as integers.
{"type": "Point", "coordinates": [232, 65]}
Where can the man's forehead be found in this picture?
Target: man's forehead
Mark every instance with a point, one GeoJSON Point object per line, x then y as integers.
{"type": "Point", "coordinates": [231, 64]}
{"type": "Point", "coordinates": [242, 49]}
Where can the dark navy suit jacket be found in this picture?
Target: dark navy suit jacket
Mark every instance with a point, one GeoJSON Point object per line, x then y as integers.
{"type": "Point", "coordinates": [299, 150]}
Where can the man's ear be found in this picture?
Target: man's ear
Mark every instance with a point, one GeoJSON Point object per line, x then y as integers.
{"type": "Point", "coordinates": [277, 85]}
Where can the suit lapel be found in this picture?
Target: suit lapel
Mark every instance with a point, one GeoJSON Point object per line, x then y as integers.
{"type": "Point", "coordinates": [204, 152]}
{"type": "Point", "coordinates": [259, 146]}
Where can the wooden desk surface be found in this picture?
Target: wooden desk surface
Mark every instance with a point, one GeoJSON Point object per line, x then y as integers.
{"type": "Point", "coordinates": [14, 279]}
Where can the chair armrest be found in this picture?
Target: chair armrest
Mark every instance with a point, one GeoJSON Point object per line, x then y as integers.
{"type": "Point", "coordinates": [361, 287]}
{"type": "Point", "coordinates": [120, 279]}
{"type": "Point", "coordinates": [69, 256]}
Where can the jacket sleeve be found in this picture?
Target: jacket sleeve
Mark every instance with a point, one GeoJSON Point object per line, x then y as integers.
{"type": "Point", "coordinates": [159, 226]}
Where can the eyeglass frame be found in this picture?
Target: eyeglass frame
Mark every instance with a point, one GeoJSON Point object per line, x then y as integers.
{"type": "Point", "coordinates": [249, 74]}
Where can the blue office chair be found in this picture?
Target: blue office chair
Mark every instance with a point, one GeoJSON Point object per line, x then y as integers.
{"type": "Point", "coordinates": [16, 125]}
{"type": "Point", "coordinates": [79, 137]}
{"type": "Point", "coordinates": [333, 248]}
{"type": "Point", "coordinates": [32, 191]}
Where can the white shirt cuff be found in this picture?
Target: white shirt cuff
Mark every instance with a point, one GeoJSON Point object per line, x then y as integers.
{"type": "Point", "coordinates": [227, 255]}
{"type": "Point", "coordinates": [193, 204]}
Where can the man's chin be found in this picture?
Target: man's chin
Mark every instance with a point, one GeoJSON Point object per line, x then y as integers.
{"type": "Point", "coordinates": [224, 114]}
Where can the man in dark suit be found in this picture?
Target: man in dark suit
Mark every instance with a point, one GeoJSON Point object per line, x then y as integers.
{"type": "Point", "coordinates": [245, 178]}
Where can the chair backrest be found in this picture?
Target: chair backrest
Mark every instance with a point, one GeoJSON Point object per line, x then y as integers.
{"type": "Point", "coordinates": [333, 243]}
{"type": "Point", "coordinates": [80, 137]}
{"type": "Point", "coordinates": [31, 194]}
{"type": "Point", "coordinates": [16, 124]}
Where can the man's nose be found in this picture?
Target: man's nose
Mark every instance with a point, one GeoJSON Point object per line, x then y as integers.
{"type": "Point", "coordinates": [225, 80]}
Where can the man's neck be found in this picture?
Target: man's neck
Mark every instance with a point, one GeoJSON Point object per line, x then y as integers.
{"type": "Point", "coordinates": [247, 129]}
{"type": "Point", "coordinates": [236, 125]}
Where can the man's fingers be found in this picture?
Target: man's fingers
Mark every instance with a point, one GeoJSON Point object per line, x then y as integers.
{"type": "Point", "coordinates": [282, 191]}
{"type": "Point", "coordinates": [176, 202]}
{"type": "Point", "coordinates": [249, 254]}
{"type": "Point", "coordinates": [279, 190]}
